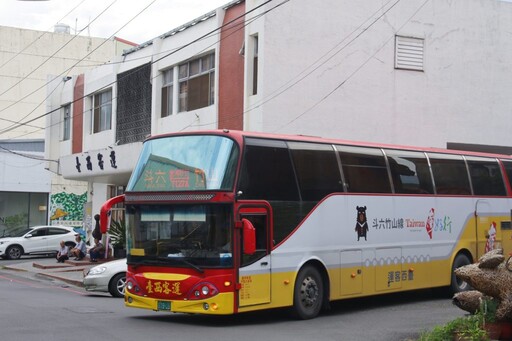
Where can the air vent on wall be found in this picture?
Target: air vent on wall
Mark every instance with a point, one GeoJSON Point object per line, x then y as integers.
{"type": "Point", "coordinates": [409, 53]}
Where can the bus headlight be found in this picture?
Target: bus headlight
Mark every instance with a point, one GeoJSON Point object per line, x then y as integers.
{"type": "Point", "coordinates": [129, 285]}
{"type": "Point", "coordinates": [202, 291]}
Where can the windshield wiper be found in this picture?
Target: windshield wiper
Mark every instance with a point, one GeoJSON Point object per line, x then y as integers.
{"type": "Point", "coordinates": [195, 267]}
{"type": "Point", "coordinates": [158, 261]}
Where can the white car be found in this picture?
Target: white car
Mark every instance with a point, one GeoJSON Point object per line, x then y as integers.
{"type": "Point", "coordinates": [107, 277]}
{"type": "Point", "coordinates": [36, 240]}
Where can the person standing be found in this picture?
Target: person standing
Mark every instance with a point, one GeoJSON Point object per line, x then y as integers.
{"type": "Point", "coordinates": [62, 255]}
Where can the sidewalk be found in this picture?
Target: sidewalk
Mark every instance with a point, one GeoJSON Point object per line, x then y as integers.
{"type": "Point", "coordinates": [71, 271]}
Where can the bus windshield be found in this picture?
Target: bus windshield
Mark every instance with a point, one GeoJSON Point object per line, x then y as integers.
{"type": "Point", "coordinates": [185, 163]}
{"type": "Point", "coordinates": [179, 235]}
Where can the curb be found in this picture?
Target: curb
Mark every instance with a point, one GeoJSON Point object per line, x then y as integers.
{"type": "Point", "coordinates": [63, 279]}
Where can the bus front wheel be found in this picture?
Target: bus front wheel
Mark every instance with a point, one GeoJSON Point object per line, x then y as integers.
{"type": "Point", "coordinates": [308, 293]}
{"type": "Point", "coordinates": [457, 284]}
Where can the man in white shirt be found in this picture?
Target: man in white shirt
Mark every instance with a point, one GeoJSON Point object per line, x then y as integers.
{"type": "Point", "coordinates": [80, 248]}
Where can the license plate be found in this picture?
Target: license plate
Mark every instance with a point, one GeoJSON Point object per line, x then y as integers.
{"type": "Point", "coordinates": [163, 305]}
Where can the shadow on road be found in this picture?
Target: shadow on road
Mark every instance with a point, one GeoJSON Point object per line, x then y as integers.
{"type": "Point", "coordinates": [273, 316]}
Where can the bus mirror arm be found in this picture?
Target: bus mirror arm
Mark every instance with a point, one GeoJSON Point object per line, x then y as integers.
{"type": "Point", "coordinates": [105, 212]}
{"type": "Point", "coordinates": [249, 237]}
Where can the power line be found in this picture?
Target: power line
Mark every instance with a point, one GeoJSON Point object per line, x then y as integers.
{"type": "Point", "coordinates": [27, 155]}
{"type": "Point", "coordinates": [354, 72]}
{"type": "Point", "coordinates": [198, 53]}
{"type": "Point", "coordinates": [286, 86]}
{"type": "Point", "coordinates": [274, 95]}
{"type": "Point", "coordinates": [67, 70]}
{"type": "Point", "coordinates": [58, 50]}
{"type": "Point", "coordinates": [44, 33]}
{"type": "Point", "coordinates": [152, 62]}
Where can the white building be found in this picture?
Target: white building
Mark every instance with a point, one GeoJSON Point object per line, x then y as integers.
{"type": "Point", "coordinates": [417, 72]}
{"type": "Point", "coordinates": [26, 59]}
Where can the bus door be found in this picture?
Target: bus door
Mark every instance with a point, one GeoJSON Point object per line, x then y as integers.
{"type": "Point", "coordinates": [254, 272]}
{"type": "Point", "coordinates": [487, 235]}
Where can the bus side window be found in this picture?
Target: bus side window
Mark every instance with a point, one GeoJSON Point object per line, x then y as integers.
{"type": "Point", "coordinates": [364, 169]}
{"type": "Point", "coordinates": [267, 172]}
{"type": "Point", "coordinates": [486, 176]}
{"type": "Point", "coordinates": [507, 164]}
{"type": "Point", "coordinates": [450, 174]}
{"type": "Point", "coordinates": [317, 170]}
{"type": "Point", "coordinates": [410, 172]}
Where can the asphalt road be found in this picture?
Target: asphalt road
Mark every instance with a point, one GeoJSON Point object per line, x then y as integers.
{"type": "Point", "coordinates": [38, 308]}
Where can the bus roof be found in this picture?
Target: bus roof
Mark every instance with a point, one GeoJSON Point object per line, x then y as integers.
{"type": "Point", "coordinates": [239, 135]}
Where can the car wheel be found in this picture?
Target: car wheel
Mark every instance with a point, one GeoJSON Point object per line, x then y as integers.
{"type": "Point", "coordinates": [14, 252]}
{"type": "Point", "coordinates": [116, 285]}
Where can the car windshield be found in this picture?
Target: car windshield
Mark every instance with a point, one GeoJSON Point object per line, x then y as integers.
{"type": "Point", "coordinates": [19, 233]}
{"type": "Point", "coordinates": [194, 236]}
{"type": "Point", "coordinates": [185, 163]}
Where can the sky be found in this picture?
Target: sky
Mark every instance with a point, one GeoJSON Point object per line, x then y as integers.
{"type": "Point", "coordinates": [161, 16]}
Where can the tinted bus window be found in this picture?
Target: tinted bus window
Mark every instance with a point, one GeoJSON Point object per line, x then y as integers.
{"type": "Point", "coordinates": [410, 172]}
{"type": "Point", "coordinates": [317, 170]}
{"type": "Point", "coordinates": [508, 169]}
{"type": "Point", "coordinates": [364, 169]}
{"type": "Point", "coordinates": [450, 174]}
{"type": "Point", "coordinates": [486, 176]}
{"type": "Point", "coordinates": [267, 171]}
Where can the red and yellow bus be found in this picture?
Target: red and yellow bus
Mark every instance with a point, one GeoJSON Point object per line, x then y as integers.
{"type": "Point", "coordinates": [224, 222]}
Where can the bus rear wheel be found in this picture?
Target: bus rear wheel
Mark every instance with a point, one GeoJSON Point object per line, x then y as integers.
{"type": "Point", "coordinates": [308, 293]}
{"type": "Point", "coordinates": [457, 284]}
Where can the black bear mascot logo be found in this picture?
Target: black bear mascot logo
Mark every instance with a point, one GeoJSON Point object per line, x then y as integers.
{"type": "Point", "coordinates": [362, 223]}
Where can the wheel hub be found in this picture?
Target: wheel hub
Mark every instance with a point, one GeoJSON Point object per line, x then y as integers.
{"type": "Point", "coordinates": [309, 291]}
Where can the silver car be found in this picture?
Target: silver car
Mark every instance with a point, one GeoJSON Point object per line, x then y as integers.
{"type": "Point", "coordinates": [107, 277]}
{"type": "Point", "coordinates": [36, 240]}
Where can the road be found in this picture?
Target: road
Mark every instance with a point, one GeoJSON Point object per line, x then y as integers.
{"type": "Point", "coordinates": [37, 308]}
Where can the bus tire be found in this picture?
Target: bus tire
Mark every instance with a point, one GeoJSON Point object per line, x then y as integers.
{"type": "Point", "coordinates": [308, 293]}
{"type": "Point", "coordinates": [457, 284]}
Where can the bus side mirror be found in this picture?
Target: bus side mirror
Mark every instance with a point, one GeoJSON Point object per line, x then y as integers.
{"type": "Point", "coordinates": [249, 237]}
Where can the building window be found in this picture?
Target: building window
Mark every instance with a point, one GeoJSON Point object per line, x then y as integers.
{"type": "Point", "coordinates": [255, 65]}
{"type": "Point", "coordinates": [196, 83]}
{"type": "Point", "coordinates": [409, 53]}
{"type": "Point", "coordinates": [102, 111]}
{"type": "Point", "coordinates": [66, 121]}
{"type": "Point", "coordinates": [167, 92]}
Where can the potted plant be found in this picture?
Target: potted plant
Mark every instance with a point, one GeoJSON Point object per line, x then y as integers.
{"type": "Point", "coordinates": [471, 330]}
{"type": "Point", "coordinates": [467, 328]}
{"type": "Point", "coordinates": [487, 311]}
{"type": "Point", "coordinates": [117, 234]}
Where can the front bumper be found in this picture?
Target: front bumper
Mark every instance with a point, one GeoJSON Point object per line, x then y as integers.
{"type": "Point", "coordinates": [221, 304]}
{"type": "Point", "coordinates": [95, 283]}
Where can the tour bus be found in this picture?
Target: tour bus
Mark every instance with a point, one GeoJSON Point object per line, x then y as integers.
{"type": "Point", "coordinates": [225, 222]}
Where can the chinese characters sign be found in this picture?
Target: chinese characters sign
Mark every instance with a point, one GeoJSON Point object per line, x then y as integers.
{"type": "Point", "coordinates": [91, 163]}
{"type": "Point", "coordinates": [163, 287]}
{"type": "Point", "coordinates": [161, 174]}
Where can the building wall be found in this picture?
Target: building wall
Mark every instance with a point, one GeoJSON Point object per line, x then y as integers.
{"type": "Point", "coordinates": [231, 70]}
{"type": "Point", "coordinates": [33, 65]}
{"type": "Point", "coordinates": [341, 67]}
{"type": "Point", "coordinates": [23, 196]}
{"type": "Point", "coordinates": [28, 56]}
